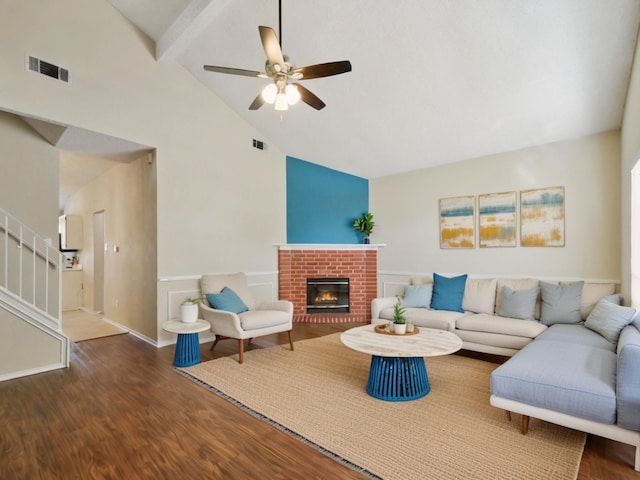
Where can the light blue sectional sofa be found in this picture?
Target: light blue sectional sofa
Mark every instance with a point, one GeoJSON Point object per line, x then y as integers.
{"type": "Point", "coordinates": [575, 351]}
{"type": "Point", "coordinates": [574, 376]}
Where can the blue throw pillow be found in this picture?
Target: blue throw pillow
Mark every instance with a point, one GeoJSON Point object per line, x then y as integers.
{"type": "Point", "coordinates": [608, 319]}
{"type": "Point", "coordinates": [448, 293]}
{"type": "Point", "coordinates": [561, 303]}
{"type": "Point", "coordinates": [227, 300]}
{"type": "Point", "coordinates": [417, 296]}
{"type": "Point", "coordinates": [518, 303]}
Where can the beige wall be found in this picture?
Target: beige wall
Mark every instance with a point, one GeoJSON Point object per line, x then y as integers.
{"type": "Point", "coordinates": [221, 203]}
{"type": "Point", "coordinates": [630, 216]}
{"type": "Point", "coordinates": [406, 210]}
{"type": "Point", "coordinates": [127, 195]}
{"type": "Point", "coordinates": [29, 183]}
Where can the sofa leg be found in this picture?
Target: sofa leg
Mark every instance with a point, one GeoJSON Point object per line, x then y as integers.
{"type": "Point", "coordinates": [637, 465]}
{"type": "Point", "coordinates": [525, 424]}
{"type": "Point", "coordinates": [290, 339]}
{"type": "Point", "coordinates": [241, 350]}
{"type": "Point", "coordinates": [508, 414]}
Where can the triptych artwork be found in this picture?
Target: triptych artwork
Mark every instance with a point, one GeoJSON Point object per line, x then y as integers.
{"type": "Point", "coordinates": [541, 219]}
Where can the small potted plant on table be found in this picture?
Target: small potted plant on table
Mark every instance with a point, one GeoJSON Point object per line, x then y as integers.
{"type": "Point", "coordinates": [189, 310]}
{"type": "Point", "coordinates": [400, 326]}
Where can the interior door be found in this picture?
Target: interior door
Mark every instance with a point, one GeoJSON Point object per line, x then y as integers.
{"type": "Point", "coordinates": [99, 248]}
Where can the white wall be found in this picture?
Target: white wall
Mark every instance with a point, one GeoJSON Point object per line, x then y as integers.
{"type": "Point", "coordinates": [221, 203]}
{"type": "Point", "coordinates": [630, 217]}
{"type": "Point", "coordinates": [407, 216]}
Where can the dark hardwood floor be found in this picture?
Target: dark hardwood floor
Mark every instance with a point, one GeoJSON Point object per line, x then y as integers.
{"type": "Point", "coordinates": [121, 412]}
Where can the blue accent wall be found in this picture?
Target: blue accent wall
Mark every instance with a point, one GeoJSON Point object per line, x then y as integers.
{"type": "Point", "coordinates": [322, 203]}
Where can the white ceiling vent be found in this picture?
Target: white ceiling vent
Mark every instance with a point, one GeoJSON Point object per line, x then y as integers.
{"type": "Point", "coordinates": [34, 64]}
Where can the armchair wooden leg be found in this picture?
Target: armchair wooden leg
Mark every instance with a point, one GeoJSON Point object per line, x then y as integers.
{"type": "Point", "coordinates": [241, 350]}
{"type": "Point", "coordinates": [215, 342]}
{"type": "Point", "coordinates": [290, 339]}
{"type": "Point", "coordinates": [525, 424]}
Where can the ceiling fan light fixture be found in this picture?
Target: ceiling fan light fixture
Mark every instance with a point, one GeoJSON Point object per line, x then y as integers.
{"type": "Point", "coordinates": [281, 102]}
{"type": "Point", "coordinates": [269, 93]}
{"type": "Point", "coordinates": [293, 96]}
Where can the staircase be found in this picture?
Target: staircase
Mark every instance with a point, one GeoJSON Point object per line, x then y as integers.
{"type": "Point", "coordinates": [31, 339]}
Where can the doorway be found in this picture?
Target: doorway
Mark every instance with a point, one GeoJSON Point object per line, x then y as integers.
{"type": "Point", "coordinates": [99, 247]}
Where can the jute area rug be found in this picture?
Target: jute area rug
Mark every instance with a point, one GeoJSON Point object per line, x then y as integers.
{"type": "Point", "coordinates": [317, 393]}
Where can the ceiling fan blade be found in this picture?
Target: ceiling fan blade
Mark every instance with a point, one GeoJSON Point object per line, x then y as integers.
{"type": "Point", "coordinates": [271, 46]}
{"type": "Point", "coordinates": [234, 71]}
{"type": "Point", "coordinates": [257, 102]}
{"type": "Point", "coordinates": [309, 98]}
{"type": "Point", "coordinates": [323, 69]}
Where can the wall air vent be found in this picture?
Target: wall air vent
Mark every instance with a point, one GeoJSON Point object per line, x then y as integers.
{"type": "Point", "coordinates": [34, 64]}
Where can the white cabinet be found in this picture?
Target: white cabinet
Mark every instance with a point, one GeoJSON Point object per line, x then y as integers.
{"type": "Point", "coordinates": [70, 229]}
{"type": "Point", "coordinates": [72, 290]}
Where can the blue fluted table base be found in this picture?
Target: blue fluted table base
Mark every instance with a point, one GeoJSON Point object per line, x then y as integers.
{"type": "Point", "coordinates": [398, 379]}
{"type": "Point", "coordinates": [187, 350]}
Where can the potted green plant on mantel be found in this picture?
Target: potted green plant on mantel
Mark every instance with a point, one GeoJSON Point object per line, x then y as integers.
{"type": "Point", "coordinates": [189, 310]}
{"type": "Point", "coordinates": [365, 225]}
{"type": "Point", "coordinates": [399, 322]}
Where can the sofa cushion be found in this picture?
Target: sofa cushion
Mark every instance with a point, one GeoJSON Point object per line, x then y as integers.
{"type": "Point", "coordinates": [482, 322]}
{"type": "Point", "coordinates": [448, 292]}
{"type": "Point", "coordinates": [561, 303]}
{"type": "Point", "coordinates": [227, 300]}
{"type": "Point", "coordinates": [417, 296]}
{"type": "Point", "coordinates": [422, 317]}
{"type": "Point", "coordinates": [479, 295]}
{"type": "Point", "coordinates": [591, 295]}
{"type": "Point", "coordinates": [575, 333]}
{"type": "Point", "coordinates": [569, 378]}
{"type": "Point", "coordinates": [421, 280]}
{"type": "Point", "coordinates": [608, 319]}
{"type": "Point", "coordinates": [520, 304]}
{"type": "Point", "coordinates": [512, 342]}
{"type": "Point", "coordinates": [255, 319]}
{"type": "Point", "coordinates": [516, 284]}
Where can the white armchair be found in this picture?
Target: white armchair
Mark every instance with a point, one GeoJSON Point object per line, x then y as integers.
{"type": "Point", "coordinates": [263, 319]}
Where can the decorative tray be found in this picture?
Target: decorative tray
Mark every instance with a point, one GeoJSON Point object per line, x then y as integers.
{"type": "Point", "coordinates": [384, 329]}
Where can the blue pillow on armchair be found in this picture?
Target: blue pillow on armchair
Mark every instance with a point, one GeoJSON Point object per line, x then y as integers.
{"type": "Point", "coordinates": [227, 300]}
{"type": "Point", "coordinates": [448, 293]}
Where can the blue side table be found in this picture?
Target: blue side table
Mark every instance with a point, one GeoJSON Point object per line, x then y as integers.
{"type": "Point", "coordinates": [188, 346]}
{"type": "Point", "coordinates": [398, 379]}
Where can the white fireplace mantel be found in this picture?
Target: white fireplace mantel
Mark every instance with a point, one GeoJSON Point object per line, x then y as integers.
{"type": "Point", "coordinates": [329, 246]}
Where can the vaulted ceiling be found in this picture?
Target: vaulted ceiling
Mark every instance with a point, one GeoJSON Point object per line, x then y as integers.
{"type": "Point", "coordinates": [433, 81]}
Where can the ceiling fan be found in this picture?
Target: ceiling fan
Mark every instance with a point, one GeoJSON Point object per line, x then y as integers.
{"type": "Point", "coordinates": [283, 92]}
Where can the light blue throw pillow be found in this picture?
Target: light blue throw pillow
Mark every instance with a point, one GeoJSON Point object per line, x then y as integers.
{"type": "Point", "coordinates": [227, 300]}
{"type": "Point", "coordinates": [417, 296]}
{"type": "Point", "coordinates": [608, 319]}
{"type": "Point", "coordinates": [561, 303]}
{"type": "Point", "coordinates": [519, 304]}
{"type": "Point", "coordinates": [448, 293]}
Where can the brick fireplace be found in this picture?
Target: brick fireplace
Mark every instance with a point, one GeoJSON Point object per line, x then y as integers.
{"type": "Point", "coordinates": [358, 263]}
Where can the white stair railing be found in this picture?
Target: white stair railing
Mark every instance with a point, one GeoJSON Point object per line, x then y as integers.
{"type": "Point", "coordinates": [30, 268]}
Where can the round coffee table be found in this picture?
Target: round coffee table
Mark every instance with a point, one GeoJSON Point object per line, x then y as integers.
{"type": "Point", "coordinates": [398, 371]}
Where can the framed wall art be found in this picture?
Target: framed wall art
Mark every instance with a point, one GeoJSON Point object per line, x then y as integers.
{"type": "Point", "coordinates": [457, 222]}
{"type": "Point", "coordinates": [542, 217]}
{"type": "Point", "coordinates": [497, 219]}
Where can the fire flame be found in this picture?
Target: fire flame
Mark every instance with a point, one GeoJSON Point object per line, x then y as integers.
{"type": "Point", "coordinates": [327, 297]}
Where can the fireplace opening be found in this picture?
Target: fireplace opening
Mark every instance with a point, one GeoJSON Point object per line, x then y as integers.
{"type": "Point", "coordinates": [326, 295]}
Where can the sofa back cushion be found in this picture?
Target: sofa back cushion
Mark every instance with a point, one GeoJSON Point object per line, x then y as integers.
{"type": "Point", "coordinates": [479, 295]}
{"type": "Point", "coordinates": [591, 295]}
